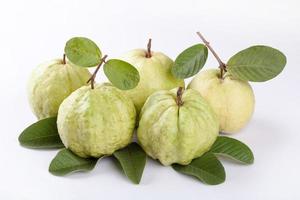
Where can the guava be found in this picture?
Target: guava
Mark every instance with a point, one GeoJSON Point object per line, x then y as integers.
{"type": "Point", "coordinates": [155, 74]}
{"type": "Point", "coordinates": [232, 99]}
{"type": "Point", "coordinates": [50, 83]}
{"type": "Point", "coordinates": [96, 122]}
{"type": "Point", "coordinates": [177, 127]}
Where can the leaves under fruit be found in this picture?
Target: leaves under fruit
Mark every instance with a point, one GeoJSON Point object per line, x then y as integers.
{"type": "Point", "coordinates": [206, 168]}
{"type": "Point", "coordinates": [66, 162]}
{"type": "Point", "coordinates": [132, 160]}
{"type": "Point", "coordinates": [42, 134]}
{"type": "Point", "coordinates": [232, 148]}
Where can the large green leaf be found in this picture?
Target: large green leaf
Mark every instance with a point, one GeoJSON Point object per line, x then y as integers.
{"type": "Point", "coordinates": [66, 162]}
{"type": "Point", "coordinates": [257, 63]}
{"type": "Point", "coordinates": [83, 52]}
{"type": "Point", "coordinates": [132, 160]}
{"type": "Point", "coordinates": [232, 148]}
{"type": "Point", "coordinates": [121, 74]}
{"type": "Point", "coordinates": [42, 134]}
{"type": "Point", "coordinates": [207, 168]}
{"type": "Point", "coordinates": [190, 61]}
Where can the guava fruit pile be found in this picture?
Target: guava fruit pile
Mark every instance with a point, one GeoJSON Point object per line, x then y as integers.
{"type": "Point", "coordinates": [180, 127]}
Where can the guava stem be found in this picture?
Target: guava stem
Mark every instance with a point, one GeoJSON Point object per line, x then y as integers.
{"type": "Point", "coordinates": [179, 101]}
{"type": "Point", "coordinates": [64, 59]}
{"type": "Point", "coordinates": [222, 65]}
{"type": "Point", "coordinates": [148, 53]}
{"type": "Point", "coordinates": [92, 78]}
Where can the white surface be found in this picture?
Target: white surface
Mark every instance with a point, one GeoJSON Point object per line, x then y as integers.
{"type": "Point", "coordinates": [35, 31]}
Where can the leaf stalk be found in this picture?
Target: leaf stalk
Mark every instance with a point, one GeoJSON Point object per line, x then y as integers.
{"type": "Point", "coordinates": [222, 65]}
{"type": "Point", "coordinates": [92, 78]}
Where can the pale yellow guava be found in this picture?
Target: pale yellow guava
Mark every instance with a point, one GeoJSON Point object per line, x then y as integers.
{"type": "Point", "coordinates": [50, 83]}
{"type": "Point", "coordinates": [232, 99]}
{"type": "Point", "coordinates": [177, 134]}
{"type": "Point", "coordinates": [155, 74]}
{"type": "Point", "coordinates": [96, 122]}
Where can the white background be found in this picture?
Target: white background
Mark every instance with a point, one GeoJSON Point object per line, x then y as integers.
{"type": "Point", "coordinates": [32, 32]}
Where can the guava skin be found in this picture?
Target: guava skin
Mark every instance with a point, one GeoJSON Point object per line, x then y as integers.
{"type": "Point", "coordinates": [155, 74]}
{"type": "Point", "coordinates": [177, 134]}
{"type": "Point", "coordinates": [50, 83]}
{"type": "Point", "coordinates": [96, 122]}
{"type": "Point", "coordinates": [232, 99]}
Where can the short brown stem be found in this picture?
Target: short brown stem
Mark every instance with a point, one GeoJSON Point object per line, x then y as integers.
{"type": "Point", "coordinates": [64, 59]}
{"type": "Point", "coordinates": [179, 101]}
{"type": "Point", "coordinates": [222, 65]}
{"type": "Point", "coordinates": [148, 53]}
{"type": "Point", "coordinates": [92, 78]}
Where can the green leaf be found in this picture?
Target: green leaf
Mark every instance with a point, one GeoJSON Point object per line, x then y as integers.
{"type": "Point", "coordinates": [83, 52]}
{"type": "Point", "coordinates": [42, 134]}
{"type": "Point", "coordinates": [190, 61]}
{"type": "Point", "coordinates": [66, 162]}
{"type": "Point", "coordinates": [121, 74]}
{"type": "Point", "coordinates": [132, 160]}
{"type": "Point", "coordinates": [257, 63]}
{"type": "Point", "coordinates": [207, 168]}
{"type": "Point", "coordinates": [233, 149]}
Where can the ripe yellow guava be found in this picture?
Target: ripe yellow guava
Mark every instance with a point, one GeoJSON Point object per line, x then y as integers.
{"type": "Point", "coordinates": [96, 122]}
{"type": "Point", "coordinates": [155, 74]}
{"type": "Point", "coordinates": [50, 83]}
{"type": "Point", "coordinates": [232, 99]}
{"type": "Point", "coordinates": [177, 133]}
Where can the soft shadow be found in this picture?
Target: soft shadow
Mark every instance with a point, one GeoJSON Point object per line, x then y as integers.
{"type": "Point", "coordinates": [264, 132]}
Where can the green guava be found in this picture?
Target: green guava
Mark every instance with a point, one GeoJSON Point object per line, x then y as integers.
{"type": "Point", "coordinates": [96, 122]}
{"type": "Point", "coordinates": [232, 99]}
{"type": "Point", "coordinates": [174, 132]}
{"type": "Point", "coordinates": [50, 83]}
{"type": "Point", "coordinates": [155, 74]}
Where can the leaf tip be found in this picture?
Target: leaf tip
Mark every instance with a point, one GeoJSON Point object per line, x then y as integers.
{"type": "Point", "coordinates": [136, 181]}
{"type": "Point", "coordinates": [20, 138]}
{"type": "Point", "coordinates": [251, 160]}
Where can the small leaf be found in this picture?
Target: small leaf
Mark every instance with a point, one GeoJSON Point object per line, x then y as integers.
{"type": "Point", "coordinates": [83, 52]}
{"type": "Point", "coordinates": [42, 134]}
{"type": "Point", "coordinates": [257, 63]}
{"type": "Point", "coordinates": [66, 162]}
{"type": "Point", "coordinates": [190, 61]}
{"type": "Point", "coordinates": [132, 160]}
{"type": "Point", "coordinates": [121, 74]}
{"type": "Point", "coordinates": [232, 148]}
{"type": "Point", "coordinates": [207, 168]}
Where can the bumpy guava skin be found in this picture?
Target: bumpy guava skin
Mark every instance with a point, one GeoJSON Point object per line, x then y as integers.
{"type": "Point", "coordinates": [96, 122]}
{"type": "Point", "coordinates": [155, 74]}
{"type": "Point", "coordinates": [177, 134]}
{"type": "Point", "coordinates": [50, 83]}
{"type": "Point", "coordinates": [232, 99]}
